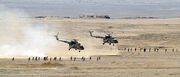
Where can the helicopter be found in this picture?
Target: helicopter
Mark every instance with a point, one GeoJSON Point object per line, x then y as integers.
{"type": "Point", "coordinates": [73, 44]}
{"type": "Point", "coordinates": [106, 39]}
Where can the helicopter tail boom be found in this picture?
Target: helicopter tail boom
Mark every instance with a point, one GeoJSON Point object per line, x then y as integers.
{"type": "Point", "coordinates": [91, 33]}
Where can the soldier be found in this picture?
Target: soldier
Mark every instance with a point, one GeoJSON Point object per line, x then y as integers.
{"type": "Point", "coordinates": [144, 49]}
{"type": "Point", "coordinates": [13, 59]}
{"type": "Point", "coordinates": [47, 58]}
{"type": "Point", "coordinates": [33, 58]}
{"type": "Point", "coordinates": [39, 58]}
{"type": "Point", "coordinates": [55, 58]}
{"type": "Point", "coordinates": [135, 49]}
{"type": "Point", "coordinates": [173, 50]}
{"type": "Point", "coordinates": [74, 58]}
{"type": "Point", "coordinates": [44, 58]}
{"type": "Point", "coordinates": [125, 49]}
{"type": "Point", "coordinates": [71, 58]}
{"type": "Point", "coordinates": [84, 59]}
{"type": "Point", "coordinates": [149, 49]}
{"type": "Point", "coordinates": [36, 58]}
{"type": "Point", "coordinates": [59, 58]}
{"type": "Point", "coordinates": [165, 50]}
{"type": "Point", "coordinates": [128, 49]}
{"type": "Point", "coordinates": [99, 57]}
{"type": "Point", "coordinates": [50, 58]}
{"type": "Point", "coordinates": [90, 58]}
{"type": "Point", "coordinates": [29, 59]}
{"type": "Point", "coordinates": [157, 49]}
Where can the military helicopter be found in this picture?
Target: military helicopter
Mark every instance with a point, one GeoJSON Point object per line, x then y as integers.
{"type": "Point", "coordinates": [73, 44]}
{"type": "Point", "coordinates": [106, 39]}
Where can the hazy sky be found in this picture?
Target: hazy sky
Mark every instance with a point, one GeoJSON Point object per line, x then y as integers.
{"type": "Point", "coordinates": [114, 8]}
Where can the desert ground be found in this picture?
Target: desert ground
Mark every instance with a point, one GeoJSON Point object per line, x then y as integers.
{"type": "Point", "coordinates": [115, 60]}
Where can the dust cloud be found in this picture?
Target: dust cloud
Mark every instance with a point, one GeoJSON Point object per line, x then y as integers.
{"type": "Point", "coordinates": [24, 36]}
{"type": "Point", "coordinates": [21, 36]}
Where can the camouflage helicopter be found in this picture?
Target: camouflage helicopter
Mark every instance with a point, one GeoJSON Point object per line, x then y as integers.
{"type": "Point", "coordinates": [106, 39]}
{"type": "Point", "coordinates": [74, 44]}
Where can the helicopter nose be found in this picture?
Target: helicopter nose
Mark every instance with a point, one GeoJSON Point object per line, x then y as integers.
{"type": "Point", "coordinates": [82, 48]}
{"type": "Point", "coordinates": [115, 41]}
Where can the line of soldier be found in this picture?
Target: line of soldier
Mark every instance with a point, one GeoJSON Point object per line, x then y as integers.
{"type": "Point", "coordinates": [44, 58]}
{"type": "Point", "coordinates": [55, 58]}
{"type": "Point", "coordinates": [145, 49]}
{"type": "Point", "coordinates": [83, 58]}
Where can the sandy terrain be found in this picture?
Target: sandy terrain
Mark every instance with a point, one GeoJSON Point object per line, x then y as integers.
{"type": "Point", "coordinates": [115, 62]}
{"type": "Point", "coordinates": [137, 64]}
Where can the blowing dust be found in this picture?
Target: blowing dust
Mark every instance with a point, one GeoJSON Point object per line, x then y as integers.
{"type": "Point", "coordinates": [21, 36]}
{"type": "Point", "coordinates": [24, 36]}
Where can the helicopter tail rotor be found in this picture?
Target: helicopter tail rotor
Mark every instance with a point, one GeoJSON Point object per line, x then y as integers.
{"type": "Point", "coordinates": [91, 33]}
{"type": "Point", "coordinates": [57, 36]}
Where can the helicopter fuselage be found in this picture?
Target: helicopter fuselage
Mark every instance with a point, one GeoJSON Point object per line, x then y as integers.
{"type": "Point", "coordinates": [72, 44]}
{"type": "Point", "coordinates": [76, 46]}
{"type": "Point", "coordinates": [109, 40]}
